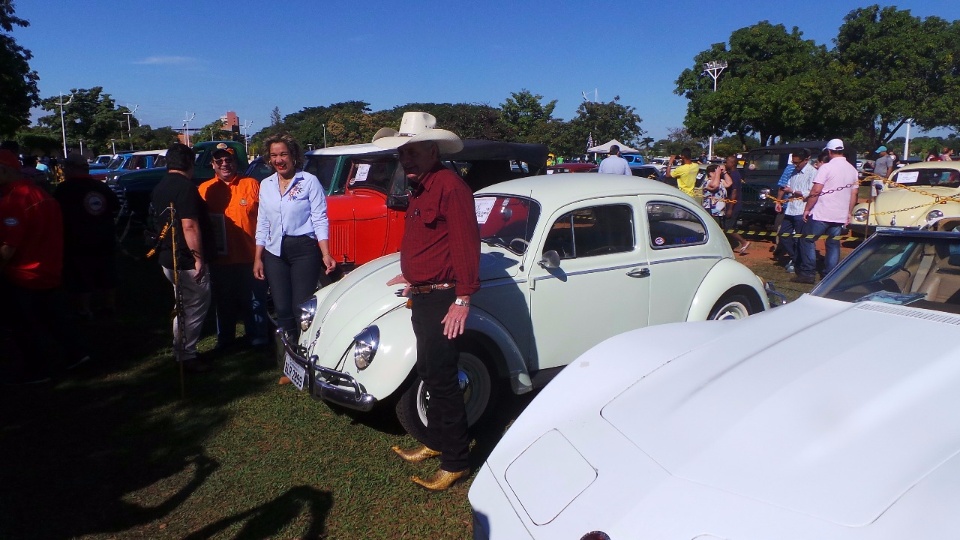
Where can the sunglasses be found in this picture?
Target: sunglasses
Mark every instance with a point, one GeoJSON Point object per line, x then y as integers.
{"type": "Point", "coordinates": [223, 160]}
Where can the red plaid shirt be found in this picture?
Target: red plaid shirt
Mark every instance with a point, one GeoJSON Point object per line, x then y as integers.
{"type": "Point", "coordinates": [441, 242]}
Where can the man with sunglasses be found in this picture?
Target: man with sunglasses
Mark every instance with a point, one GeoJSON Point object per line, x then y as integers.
{"type": "Point", "coordinates": [233, 202]}
{"type": "Point", "coordinates": [799, 183]}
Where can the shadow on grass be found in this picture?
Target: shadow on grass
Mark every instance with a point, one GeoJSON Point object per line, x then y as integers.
{"type": "Point", "coordinates": [110, 447]}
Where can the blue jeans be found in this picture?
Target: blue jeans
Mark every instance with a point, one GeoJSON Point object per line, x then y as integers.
{"type": "Point", "coordinates": [808, 248]}
{"type": "Point", "coordinates": [293, 277]}
{"type": "Point", "coordinates": [235, 298]}
{"type": "Point", "coordinates": [790, 245]}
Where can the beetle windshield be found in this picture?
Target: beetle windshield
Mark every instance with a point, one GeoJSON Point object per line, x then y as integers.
{"type": "Point", "coordinates": [919, 270]}
{"type": "Point", "coordinates": [929, 177]}
{"type": "Point", "coordinates": [507, 221]}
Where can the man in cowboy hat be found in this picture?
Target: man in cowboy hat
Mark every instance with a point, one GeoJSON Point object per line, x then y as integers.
{"type": "Point", "coordinates": [440, 265]}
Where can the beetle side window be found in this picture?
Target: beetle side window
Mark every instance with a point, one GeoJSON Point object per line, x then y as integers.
{"type": "Point", "coordinates": [588, 232]}
{"type": "Point", "coordinates": [671, 225]}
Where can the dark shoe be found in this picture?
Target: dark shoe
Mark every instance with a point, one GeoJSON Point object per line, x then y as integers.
{"type": "Point", "coordinates": [196, 365]}
{"type": "Point", "coordinates": [442, 480]}
{"type": "Point", "coordinates": [800, 278]}
{"type": "Point", "coordinates": [416, 455]}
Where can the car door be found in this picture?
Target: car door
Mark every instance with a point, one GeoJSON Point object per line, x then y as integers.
{"type": "Point", "coordinates": [601, 287]}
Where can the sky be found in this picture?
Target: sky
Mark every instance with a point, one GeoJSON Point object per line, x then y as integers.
{"type": "Point", "coordinates": [176, 59]}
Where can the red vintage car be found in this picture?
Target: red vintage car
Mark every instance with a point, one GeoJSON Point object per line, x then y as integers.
{"type": "Point", "coordinates": [572, 167]}
{"type": "Point", "coordinates": [367, 190]}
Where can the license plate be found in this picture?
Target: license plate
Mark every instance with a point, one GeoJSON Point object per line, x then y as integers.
{"type": "Point", "coordinates": [296, 374]}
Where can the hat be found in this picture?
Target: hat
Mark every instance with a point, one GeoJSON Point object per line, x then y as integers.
{"type": "Point", "coordinates": [881, 149]}
{"type": "Point", "coordinates": [418, 127]}
{"type": "Point", "coordinates": [77, 160]}
{"type": "Point", "coordinates": [224, 148]}
{"type": "Point", "coordinates": [10, 159]}
{"type": "Point", "coordinates": [835, 145]}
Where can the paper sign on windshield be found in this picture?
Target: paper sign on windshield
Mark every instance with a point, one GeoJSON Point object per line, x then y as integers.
{"type": "Point", "coordinates": [484, 207]}
{"type": "Point", "coordinates": [362, 171]}
{"type": "Point", "coordinates": [908, 177]}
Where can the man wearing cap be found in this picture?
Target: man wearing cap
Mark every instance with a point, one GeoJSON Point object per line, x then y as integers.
{"type": "Point", "coordinates": [89, 262]}
{"type": "Point", "coordinates": [194, 243]}
{"type": "Point", "coordinates": [881, 167]}
{"type": "Point", "coordinates": [233, 201]}
{"type": "Point", "coordinates": [614, 164]}
{"type": "Point", "coordinates": [31, 266]}
{"type": "Point", "coordinates": [440, 264]}
{"type": "Point", "coordinates": [827, 211]}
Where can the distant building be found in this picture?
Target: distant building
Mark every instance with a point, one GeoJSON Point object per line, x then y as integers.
{"type": "Point", "coordinates": [231, 122]}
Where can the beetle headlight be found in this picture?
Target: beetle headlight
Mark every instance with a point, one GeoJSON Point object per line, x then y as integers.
{"type": "Point", "coordinates": [307, 311]}
{"type": "Point", "coordinates": [365, 346]}
{"type": "Point", "coordinates": [934, 215]}
{"type": "Point", "coordinates": [860, 215]}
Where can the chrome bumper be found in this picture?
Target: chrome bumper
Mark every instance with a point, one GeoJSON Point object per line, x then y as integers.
{"type": "Point", "coordinates": [329, 384]}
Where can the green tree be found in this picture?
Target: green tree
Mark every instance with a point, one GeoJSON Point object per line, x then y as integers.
{"type": "Point", "coordinates": [527, 117]}
{"type": "Point", "coordinates": [678, 139]}
{"type": "Point", "coordinates": [148, 138]}
{"type": "Point", "coordinates": [92, 115]}
{"type": "Point", "coordinates": [769, 87]}
{"type": "Point", "coordinates": [604, 121]}
{"type": "Point", "coordinates": [18, 81]}
{"type": "Point", "coordinates": [893, 66]}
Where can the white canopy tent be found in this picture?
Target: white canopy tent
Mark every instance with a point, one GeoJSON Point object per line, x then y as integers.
{"type": "Point", "coordinates": [605, 148]}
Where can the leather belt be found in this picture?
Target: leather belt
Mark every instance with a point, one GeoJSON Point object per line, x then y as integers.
{"type": "Point", "coordinates": [424, 289]}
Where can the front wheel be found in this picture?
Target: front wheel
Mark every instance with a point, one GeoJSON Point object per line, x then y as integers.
{"type": "Point", "coordinates": [731, 307]}
{"type": "Point", "coordinates": [477, 382]}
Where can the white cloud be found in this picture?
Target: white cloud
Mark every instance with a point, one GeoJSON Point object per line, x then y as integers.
{"type": "Point", "coordinates": [165, 60]}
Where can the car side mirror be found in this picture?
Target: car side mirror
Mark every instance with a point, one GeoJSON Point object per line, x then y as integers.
{"type": "Point", "coordinates": [551, 259]}
{"type": "Point", "coordinates": [398, 203]}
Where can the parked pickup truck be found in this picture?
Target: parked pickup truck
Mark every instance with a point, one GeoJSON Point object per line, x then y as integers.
{"type": "Point", "coordinates": [367, 190]}
{"type": "Point", "coordinates": [134, 188]}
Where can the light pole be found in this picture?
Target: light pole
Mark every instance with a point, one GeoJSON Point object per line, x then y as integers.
{"type": "Point", "coordinates": [81, 147]}
{"type": "Point", "coordinates": [324, 135]}
{"type": "Point", "coordinates": [906, 143]}
{"type": "Point", "coordinates": [186, 127]}
{"type": "Point", "coordinates": [246, 137]}
{"type": "Point", "coordinates": [128, 115]}
{"type": "Point", "coordinates": [713, 68]}
{"type": "Point", "coordinates": [113, 142]}
{"type": "Point", "coordinates": [63, 125]}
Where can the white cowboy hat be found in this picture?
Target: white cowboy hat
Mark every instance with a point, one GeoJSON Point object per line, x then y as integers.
{"type": "Point", "coordinates": [418, 127]}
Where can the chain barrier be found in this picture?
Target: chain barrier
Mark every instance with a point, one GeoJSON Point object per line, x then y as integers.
{"type": "Point", "coordinates": [771, 234]}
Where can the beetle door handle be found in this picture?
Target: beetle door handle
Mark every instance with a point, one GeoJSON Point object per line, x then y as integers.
{"type": "Point", "coordinates": [639, 272]}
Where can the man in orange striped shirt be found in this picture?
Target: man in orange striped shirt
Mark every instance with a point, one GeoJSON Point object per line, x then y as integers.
{"type": "Point", "coordinates": [233, 202]}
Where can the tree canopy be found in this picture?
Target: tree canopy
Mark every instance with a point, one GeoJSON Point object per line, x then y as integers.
{"type": "Point", "coordinates": [18, 81]}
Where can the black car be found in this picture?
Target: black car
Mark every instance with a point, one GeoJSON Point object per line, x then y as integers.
{"type": "Point", "coordinates": [763, 168]}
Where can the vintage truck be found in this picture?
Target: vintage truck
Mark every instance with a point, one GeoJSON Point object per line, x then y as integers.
{"type": "Point", "coordinates": [366, 189]}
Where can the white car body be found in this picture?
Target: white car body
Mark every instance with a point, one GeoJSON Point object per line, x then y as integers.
{"type": "Point", "coordinates": [527, 317]}
{"type": "Point", "coordinates": [915, 196]}
{"type": "Point", "coordinates": [833, 417]}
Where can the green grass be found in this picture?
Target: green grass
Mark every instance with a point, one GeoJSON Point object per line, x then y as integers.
{"type": "Point", "coordinates": [112, 451]}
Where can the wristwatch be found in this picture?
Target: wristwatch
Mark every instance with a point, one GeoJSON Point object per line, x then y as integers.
{"type": "Point", "coordinates": [461, 302]}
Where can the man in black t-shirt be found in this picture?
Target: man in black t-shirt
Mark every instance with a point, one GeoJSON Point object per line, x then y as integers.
{"type": "Point", "coordinates": [193, 234]}
{"type": "Point", "coordinates": [89, 260]}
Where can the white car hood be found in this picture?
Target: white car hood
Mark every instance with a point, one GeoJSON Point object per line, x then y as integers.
{"type": "Point", "coordinates": [828, 412]}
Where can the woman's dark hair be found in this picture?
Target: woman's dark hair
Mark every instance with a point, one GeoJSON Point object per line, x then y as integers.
{"type": "Point", "coordinates": [712, 167]}
{"type": "Point", "coordinates": [823, 157]}
{"type": "Point", "coordinates": [180, 157]}
{"type": "Point", "coordinates": [292, 146]}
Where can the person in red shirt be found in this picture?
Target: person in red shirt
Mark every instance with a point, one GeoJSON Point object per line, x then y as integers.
{"type": "Point", "coordinates": [233, 201]}
{"type": "Point", "coordinates": [31, 267]}
{"type": "Point", "coordinates": [440, 261]}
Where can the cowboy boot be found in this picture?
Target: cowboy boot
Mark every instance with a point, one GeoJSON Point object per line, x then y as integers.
{"type": "Point", "coordinates": [442, 480]}
{"type": "Point", "coordinates": [416, 455]}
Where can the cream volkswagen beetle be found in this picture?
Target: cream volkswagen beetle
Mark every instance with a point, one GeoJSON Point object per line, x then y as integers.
{"type": "Point", "coordinates": [566, 262]}
{"type": "Point", "coordinates": [915, 196]}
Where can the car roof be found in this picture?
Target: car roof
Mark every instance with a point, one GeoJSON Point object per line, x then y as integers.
{"type": "Point", "coordinates": [151, 153]}
{"type": "Point", "coordinates": [351, 149]}
{"type": "Point", "coordinates": [558, 189]}
{"type": "Point", "coordinates": [955, 165]}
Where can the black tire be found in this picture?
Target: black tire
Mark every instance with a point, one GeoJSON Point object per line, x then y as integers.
{"type": "Point", "coordinates": [732, 307]}
{"type": "Point", "coordinates": [479, 384]}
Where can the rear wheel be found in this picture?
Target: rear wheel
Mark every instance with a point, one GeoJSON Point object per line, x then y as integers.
{"type": "Point", "coordinates": [477, 382]}
{"type": "Point", "coordinates": [731, 307]}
